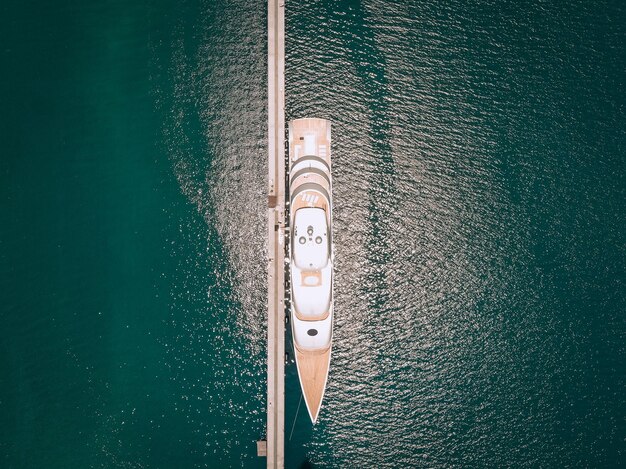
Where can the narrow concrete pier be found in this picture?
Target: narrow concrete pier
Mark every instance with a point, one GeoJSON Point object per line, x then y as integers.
{"type": "Point", "coordinates": [276, 235]}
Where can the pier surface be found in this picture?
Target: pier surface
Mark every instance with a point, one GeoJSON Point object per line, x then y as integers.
{"type": "Point", "coordinates": [276, 236]}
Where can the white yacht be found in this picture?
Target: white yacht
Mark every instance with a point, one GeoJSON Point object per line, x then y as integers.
{"type": "Point", "coordinates": [310, 215]}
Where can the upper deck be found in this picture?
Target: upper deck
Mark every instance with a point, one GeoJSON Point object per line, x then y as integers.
{"type": "Point", "coordinates": [309, 137]}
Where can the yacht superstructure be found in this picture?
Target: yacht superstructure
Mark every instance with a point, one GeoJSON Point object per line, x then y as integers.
{"type": "Point", "coordinates": [310, 210]}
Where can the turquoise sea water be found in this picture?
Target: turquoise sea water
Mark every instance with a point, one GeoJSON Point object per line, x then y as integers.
{"type": "Point", "coordinates": [479, 165]}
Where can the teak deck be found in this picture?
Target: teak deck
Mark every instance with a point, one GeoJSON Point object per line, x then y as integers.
{"type": "Point", "coordinates": [300, 127]}
{"type": "Point", "coordinates": [313, 373]}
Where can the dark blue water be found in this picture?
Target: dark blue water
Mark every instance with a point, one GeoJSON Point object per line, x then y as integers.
{"type": "Point", "coordinates": [479, 233]}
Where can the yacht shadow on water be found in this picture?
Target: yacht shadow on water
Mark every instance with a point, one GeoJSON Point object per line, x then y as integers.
{"type": "Point", "coordinates": [306, 464]}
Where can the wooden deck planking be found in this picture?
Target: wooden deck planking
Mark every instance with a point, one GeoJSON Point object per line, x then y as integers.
{"type": "Point", "coordinates": [300, 127]}
{"type": "Point", "coordinates": [313, 370]}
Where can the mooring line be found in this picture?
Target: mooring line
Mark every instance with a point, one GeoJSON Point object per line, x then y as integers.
{"type": "Point", "coordinates": [295, 418]}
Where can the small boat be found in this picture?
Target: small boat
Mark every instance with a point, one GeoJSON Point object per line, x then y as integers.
{"type": "Point", "coordinates": [311, 277]}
